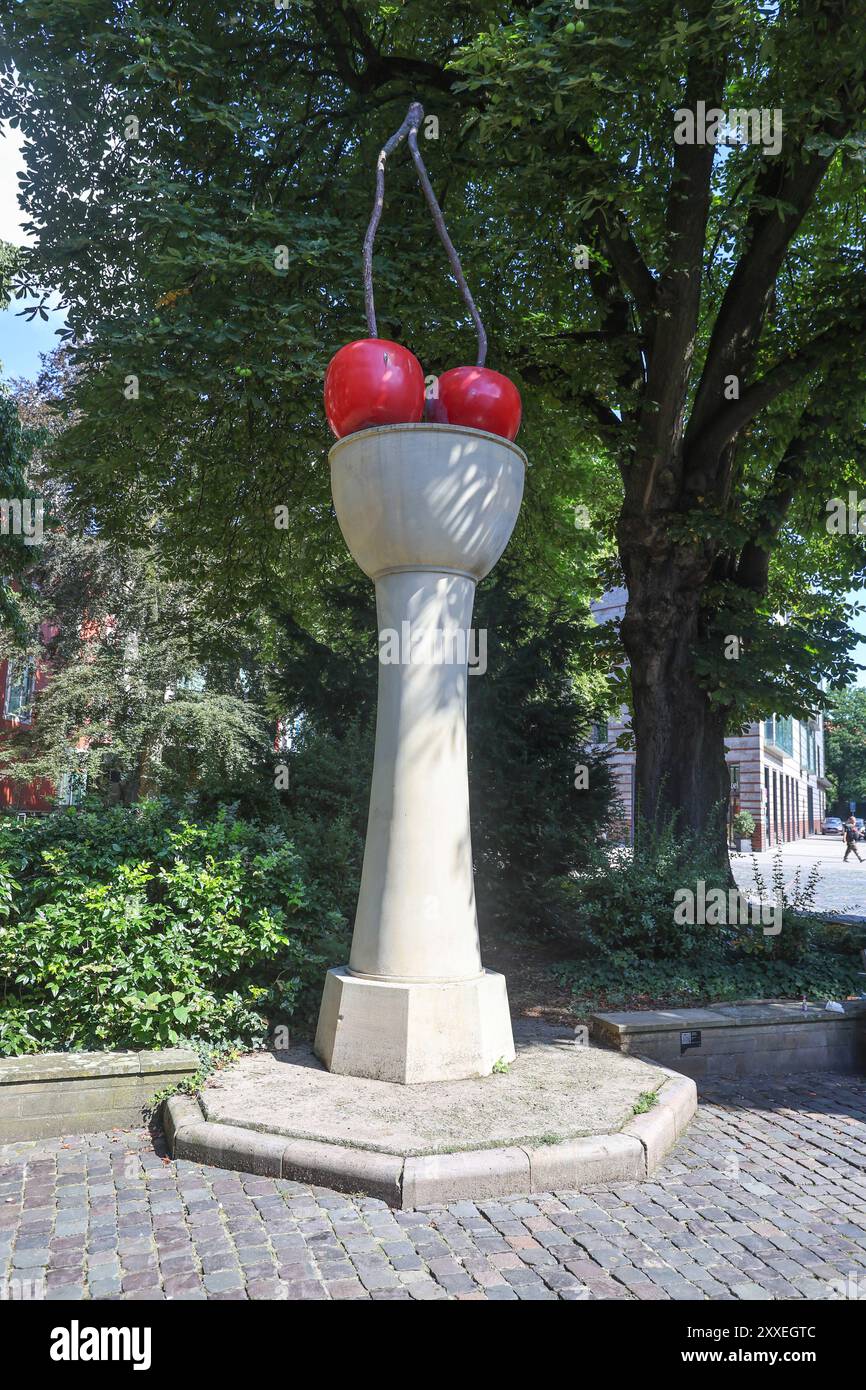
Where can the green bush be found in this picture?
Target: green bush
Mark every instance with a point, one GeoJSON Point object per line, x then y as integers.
{"type": "Point", "coordinates": [625, 901]}
{"type": "Point", "coordinates": [624, 980]}
{"type": "Point", "coordinates": [619, 921]}
{"type": "Point", "coordinates": [141, 928]}
{"type": "Point", "coordinates": [744, 825]}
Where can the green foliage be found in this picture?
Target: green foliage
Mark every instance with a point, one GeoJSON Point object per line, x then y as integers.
{"type": "Point", "coordinates": [259, 129]}
{"type": "Point", "coordinates": [791, 644]}
{"type": "Point", "coordinates": [326, 806]}
{"type": "Point", "coordinates": [744, 824]}
{"type": "Point", "coordinates": [645, 1101]}
{"type": "Point", "coordinates": [625, 901]}
{"type": "Point", "coordinates": [625, 980]}
{"type": "Point", "coordinates": [16, 446]}
{"type": "Point", "coordinates": [802, 928]}
{"type": "Point", "coordinates": [173, 261]}
{"type": "Point", "coordinates": [845, 744]}
{"type": "Point", "coordinates": [141, 929]}
{"type": "Point", "coordinates": [589, 107]}
{"type": "Point", "coordinates": [146, 693]}
{"type": "Point", "coordinates": [628, 950]}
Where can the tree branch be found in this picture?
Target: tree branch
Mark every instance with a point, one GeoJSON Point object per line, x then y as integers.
{"type": "Point", "coordinates": [733, 415]}
{"type": "Point", "coordinates": [753, 568]}
{"type": "Point", "coordinates": [679, 291]}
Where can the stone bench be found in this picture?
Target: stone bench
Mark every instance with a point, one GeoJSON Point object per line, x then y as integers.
{"type": "Point", "coordinates": [760, 1038]}
{"type": "Point", "coordinates": [53, 1093]}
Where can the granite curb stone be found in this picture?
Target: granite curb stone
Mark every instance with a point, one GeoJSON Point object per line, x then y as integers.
{"type": "Point", "coordinates": [50, 1094]}
{"type": "Point", "coordinates": [406, 1182]}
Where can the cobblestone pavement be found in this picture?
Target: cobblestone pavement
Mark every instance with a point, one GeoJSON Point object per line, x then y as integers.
{"type": "Point", "coordinates": [841, 887]}
{"type": "Point", "coordinates": [765, 1198]}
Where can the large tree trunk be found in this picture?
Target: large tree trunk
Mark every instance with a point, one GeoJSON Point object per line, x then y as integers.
{"type": "Point", "coordinates": [679, 736]}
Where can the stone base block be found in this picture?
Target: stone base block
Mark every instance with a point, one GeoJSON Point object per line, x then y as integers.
{"type": "Point", "coordinates": [54, 1093]}
{"type": "Point", "coordinates": [561, 1117]}
{"type": "Point", "coordinates": [772, 1037]}
{"type": "Point", "coordinates": [414, 1032]}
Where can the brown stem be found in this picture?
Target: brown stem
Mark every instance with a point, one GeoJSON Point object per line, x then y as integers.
{"type": "Point", "coordinates": [439, 222]}
{"type": "Point", "coordinates": [414, 117]}
{"type": "Point", "coordinates": [378, 204]}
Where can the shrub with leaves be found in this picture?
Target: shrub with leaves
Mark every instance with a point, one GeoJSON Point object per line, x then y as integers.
{"type": "Point", "coordinates": [625, 901]}
{"type": "Point", "coordinates": [744, 824]}
{"type": "Point", "coordinates": [624, 981]}
{"type": "Point", "coordinates": [139, 928]}
{"type": "Point", "coordinates": [628, 949]}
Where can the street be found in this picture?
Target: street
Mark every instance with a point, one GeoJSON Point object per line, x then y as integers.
{"type": "Point", "coordinates": [842, 887]}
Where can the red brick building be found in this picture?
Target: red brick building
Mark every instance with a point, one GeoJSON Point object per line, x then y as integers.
{"type": "Point", "coordinates": [20, 684]}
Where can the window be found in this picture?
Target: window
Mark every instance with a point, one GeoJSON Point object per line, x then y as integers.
{"type": "Point", "coordinates": [194, 683]}
{"type": "Point", "coordinates": [18, 701]}
{"type": "Point", "coordinates": [71, 788]}
{"type": "Point", "coordinates": [780, 732]}
{"type": "Point", "coordinates": [600, 731]}
{"type": "Point", "coordinates": [812, 748]}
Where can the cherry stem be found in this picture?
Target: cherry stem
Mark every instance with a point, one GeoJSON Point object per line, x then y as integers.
{"type": "Point", "coordinates": [453, 258]}
{"type": "Point", "coordinates": [378, 204]}
{"type": "Point", "coordinates": [414, 117]}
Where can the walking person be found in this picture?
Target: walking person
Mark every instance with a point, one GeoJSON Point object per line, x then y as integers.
{"type": "Point", "coordinates": [850, 831]}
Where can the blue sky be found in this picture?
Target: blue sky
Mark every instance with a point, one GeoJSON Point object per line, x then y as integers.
{"type": "Point", "coordinates": [860, 626]}
{"type": "Point", "coordinates": [22, 341]}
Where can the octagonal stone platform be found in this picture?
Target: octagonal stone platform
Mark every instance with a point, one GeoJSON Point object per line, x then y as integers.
{"type": "Point", "coordinates": [561, 1116]}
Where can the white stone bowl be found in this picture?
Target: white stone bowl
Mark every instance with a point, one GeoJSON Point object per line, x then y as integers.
{"type": "Point", "coordinates": [426, 497]}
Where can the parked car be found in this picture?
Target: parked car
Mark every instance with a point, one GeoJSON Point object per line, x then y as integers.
{"type": "Point", "coordinates": [832, 826]}
{"type": "Point", "coordinates": [861, 827]}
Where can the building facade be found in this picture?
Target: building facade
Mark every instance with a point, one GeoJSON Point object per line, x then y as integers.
{"type": "Point", "coordinates": [19, 685]}
{"type": "Point", "coordinates": [21, 682]}
{"type": "Point", "coordinates": [777, 766]}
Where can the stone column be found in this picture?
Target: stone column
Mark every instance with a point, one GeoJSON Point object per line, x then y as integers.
{"type": "Point", "coordinates": [426, 511]}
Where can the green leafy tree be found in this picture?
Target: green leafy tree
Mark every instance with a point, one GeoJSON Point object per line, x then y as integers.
{"type": "Point", "coordinates": [16, 449]}
{"type": "Point", "coordinates": [686, 317]}
{"type": "Point", "coordinates": [846, 743]}
{"type": "Point", "coordinates": [143, 695]}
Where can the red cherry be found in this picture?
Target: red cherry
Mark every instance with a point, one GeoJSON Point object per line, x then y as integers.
{"type": "Point", "coordinates": [479, 398]}
{"type": "Point", "coordinates": [373, 382]}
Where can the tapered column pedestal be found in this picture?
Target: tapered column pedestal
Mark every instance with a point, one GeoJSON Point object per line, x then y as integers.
{"type": "Point", "coordinates": [426, 511]}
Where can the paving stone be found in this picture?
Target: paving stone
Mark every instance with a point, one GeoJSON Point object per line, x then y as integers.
{"type": "Point", "coordinates": [764, 1197]}
{"type": "Point", "coordinates": [223, 1279]}
{"type": "Point", "coordinates": [104, 1288]}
